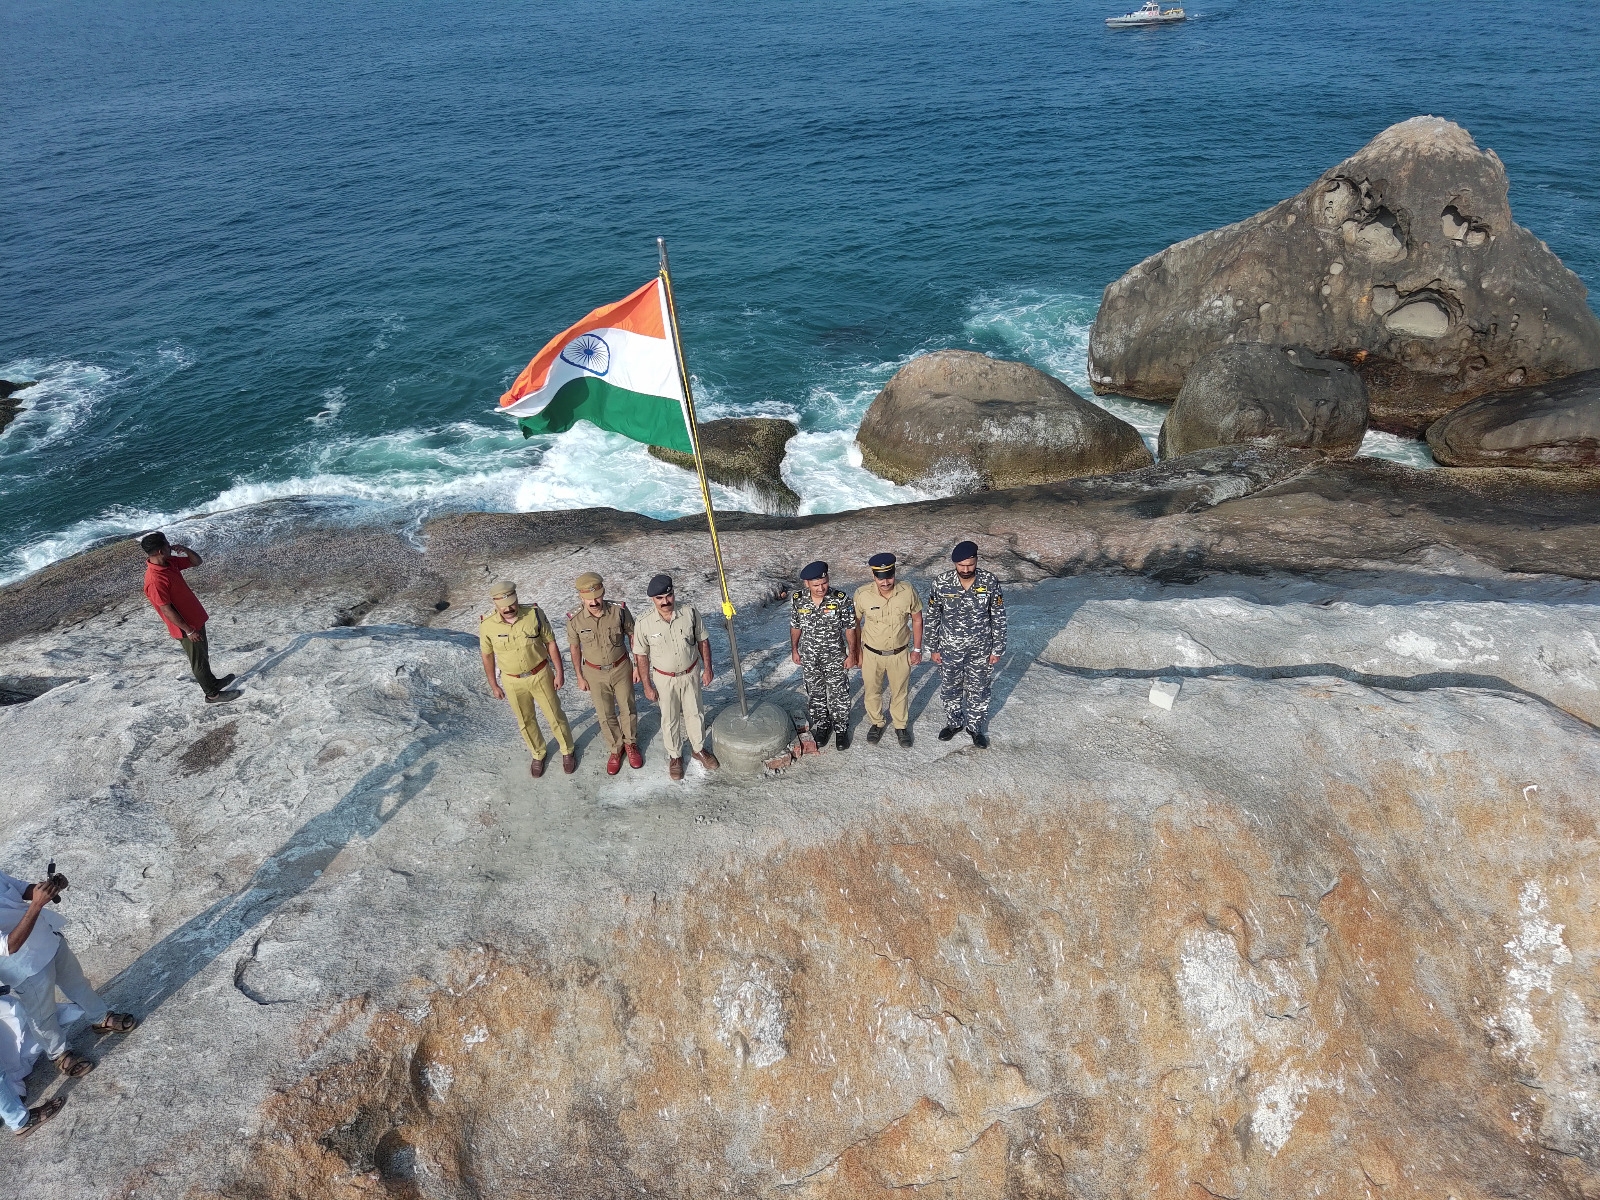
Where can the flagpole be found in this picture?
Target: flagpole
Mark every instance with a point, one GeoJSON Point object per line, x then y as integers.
{"type": "Point", "coordinates": [700, 470]}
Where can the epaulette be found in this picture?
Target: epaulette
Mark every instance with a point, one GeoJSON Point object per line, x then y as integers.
{"type": "Point", "coordinates": [573, 615]}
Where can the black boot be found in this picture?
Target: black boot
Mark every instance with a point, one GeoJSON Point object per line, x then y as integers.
{"type": "Point", "coordinates": [904, 737]}
{"type": "Point", "coordinates": [948, 732]}
{"type": "Point", "coordinates": [874, 735]}
{"type": "Point", "coordinates": [979, 738]}
{"type": "Point", "coordinates": [842, 740]}
{"type": "Point", "coordinates": [822, 733]}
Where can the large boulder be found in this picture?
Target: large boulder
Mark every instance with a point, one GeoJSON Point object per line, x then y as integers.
{"type": "Point", "coordinates": [1557, 425]}
{"type": "Point", "coordinates": [1282, 395]}
{"type": "Point", "coordinates": [1403, 259]}
{"type": "Point", "coordinates": [956, 418]}
{"type": "Point", "coordinates": [744, 452]}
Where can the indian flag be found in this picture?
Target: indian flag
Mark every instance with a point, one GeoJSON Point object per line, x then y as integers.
{"type": "Point", "coordinates": [616, 368]}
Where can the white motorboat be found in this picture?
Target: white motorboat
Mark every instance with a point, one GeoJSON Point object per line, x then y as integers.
{"type": "Point", "coordinates": [1151, 14]}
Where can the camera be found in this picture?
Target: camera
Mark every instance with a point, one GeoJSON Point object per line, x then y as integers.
{"type": "Point", "coordinates": [58, 880]}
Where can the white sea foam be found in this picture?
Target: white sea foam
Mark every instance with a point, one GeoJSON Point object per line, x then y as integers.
{"type": "Point", "coordinates": [1411, 452]}
{"type": "Point", "coordinates": [65, 394]}
{"type": "Point", "coordinates": [333, 401]}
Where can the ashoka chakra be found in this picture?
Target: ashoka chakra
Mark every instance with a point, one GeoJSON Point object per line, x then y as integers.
{"type": "Point", "coordinates": [588, 352]}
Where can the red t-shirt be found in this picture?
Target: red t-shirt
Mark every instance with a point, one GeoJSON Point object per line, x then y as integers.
{"type": "Point", "coordinates": [164, 585]}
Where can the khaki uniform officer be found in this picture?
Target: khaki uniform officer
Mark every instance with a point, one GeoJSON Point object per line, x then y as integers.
{"type": "Point", "coordinates": [519, 641]}
{"type": "Point", "coordinates": [673, 653]}
{"type": "Point", "coordinates": [597, 637]}
{"type": "Point", "coordinates": [884, 607]}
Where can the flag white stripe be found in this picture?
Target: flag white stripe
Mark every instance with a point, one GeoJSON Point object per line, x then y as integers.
{"type": "Point", "coordinates": [635, 362]}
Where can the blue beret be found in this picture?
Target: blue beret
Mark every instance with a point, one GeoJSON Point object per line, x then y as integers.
{"type": "Point", "coordinates": [964, 551]}
{"type": "Point", "coordinates": [882, 564]}
{"type": "Point", "coordinates": [814, 570]}
{"type": "Point", "coordinates": [660, 585]}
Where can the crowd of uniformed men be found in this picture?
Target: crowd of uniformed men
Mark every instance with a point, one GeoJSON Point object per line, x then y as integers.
{"type": "Point", "coordinates": [883, 630]}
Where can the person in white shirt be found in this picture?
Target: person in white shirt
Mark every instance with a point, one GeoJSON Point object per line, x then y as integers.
{"type": "Point", "coordinates": [20, 1048]}
{"type": "Point", "coordinates": [35, 960]}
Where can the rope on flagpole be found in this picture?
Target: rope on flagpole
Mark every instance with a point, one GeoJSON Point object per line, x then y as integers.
{"type": "Point", "coordinates": [700, 470]}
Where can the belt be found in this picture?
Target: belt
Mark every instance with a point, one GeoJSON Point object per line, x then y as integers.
{"type": "Point", "coordinates": [886, 653]}
{"type": "Point", "coordinates": [608, 666]}
{"type": "Point", "coordinates": [678, 674]}
{"type": "Point", "coordinates": [527, 674]}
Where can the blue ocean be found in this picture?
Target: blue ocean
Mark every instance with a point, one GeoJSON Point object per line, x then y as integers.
{"type": "Point", "coordinates": [255, 251]}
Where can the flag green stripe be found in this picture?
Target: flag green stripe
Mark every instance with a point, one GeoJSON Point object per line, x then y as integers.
{"type": "Point", "coordinates": [653, 420]}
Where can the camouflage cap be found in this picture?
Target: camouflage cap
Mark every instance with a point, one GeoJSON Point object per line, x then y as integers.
{"type": "Point", "coordinates": [590, 582]}
{"type": "Point", "coordinates": [502, 588]}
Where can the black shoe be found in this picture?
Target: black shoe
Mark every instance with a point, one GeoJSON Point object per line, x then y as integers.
{"type": "Point", "coordinates": [875, 735]}
{"type": "Point", "coordinates": [822, 733]}
{"type": "Point", "coordinates": [842, 741]}
{"type": "Point", "coordinates": [221, 697]}
{"type": "Point", "coordinates": [903, 736]}
{"type": "Point", "coordinates": [979, 739]}
{"type": "Point", "coordinates": [948, 732]}
{"type": "Point", "coordinates": [222, 684]}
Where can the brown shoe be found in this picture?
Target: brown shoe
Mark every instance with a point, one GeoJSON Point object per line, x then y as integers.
{"type": "Point", "coordinates": [569, 763]}
{"type": "Point", "coordinates": [38, 1116]}
{"type": "Point", "coordinates": [635, 756]}
{"type": "Point", "coordinates": [675, 768]}
{"type": "Point", "coordinates": [536, 767]}
{"type": "Point", "coordinates": [706, 759]}
{"type": "Point", "coordinates": [614, 763]}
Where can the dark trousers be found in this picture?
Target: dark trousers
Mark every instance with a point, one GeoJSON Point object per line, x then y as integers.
{"type": "Point", "coordinates": [198, 651]}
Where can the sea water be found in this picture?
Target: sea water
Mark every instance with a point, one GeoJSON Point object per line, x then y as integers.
{"type": "Point", "coordinates": [298, 250]}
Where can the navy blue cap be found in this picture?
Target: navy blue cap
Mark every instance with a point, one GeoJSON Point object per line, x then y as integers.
{"type": "Point", "coordinates": [964, 551]}
{"type": "Point", "coordinates": [882, 564]}
{"type": "Point", "coordinates": [815, 570]}
{"type": "Point", "coordinates": [660, 585]}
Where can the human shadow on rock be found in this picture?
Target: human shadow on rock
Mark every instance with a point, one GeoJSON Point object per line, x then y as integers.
{"type": "Point", "coordinates": [361, 812]}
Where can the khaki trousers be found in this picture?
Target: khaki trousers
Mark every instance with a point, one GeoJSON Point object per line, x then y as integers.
{"type": "Point", "coordinates": [681, 712]}
{"type": "Point", "coordinates": [896, 668]}
{"type": "Point", "coordinates": [540, 689]}
{"type": "Point", "coordinates": [616, 704]}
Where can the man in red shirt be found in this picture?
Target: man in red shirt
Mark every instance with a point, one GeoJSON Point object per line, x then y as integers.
{"type": "Point", "coordinates": [169, 595]}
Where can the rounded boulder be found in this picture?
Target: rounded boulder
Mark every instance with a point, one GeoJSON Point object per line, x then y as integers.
{"type": "Point", "coordinates": [1278, 395]}
{"type": "Point", "coordinates": [1403, 259]}
{"type": "Point", "coordinates": [961, 421]}
{"type": "Point", "coordinates": [1557, 425]}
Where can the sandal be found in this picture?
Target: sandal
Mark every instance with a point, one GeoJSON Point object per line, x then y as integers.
{"type": "Point", "coordinates": [38, 1116]}
{"type": "Point", "coordinates": [71, 1066]}
{"type": "Point", "coordinates": [116, 1023]}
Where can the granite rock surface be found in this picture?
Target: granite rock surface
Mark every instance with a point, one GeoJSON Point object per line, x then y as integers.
{"type": "Point", "coordinates": [975, 423]}
{"type": "Point", "coordinates": [745, 453]}
{"type": "Point", "coordinates": [1326, 925]}
{"type": "Point", "coordinates": [1281, 395]}
{"type": "Point", "coordinates": [1557, 425]}
{"type": "Point", "coordinates": [1403, 259]}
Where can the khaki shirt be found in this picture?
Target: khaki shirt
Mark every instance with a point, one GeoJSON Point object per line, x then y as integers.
{"type": "Point", "coordinates": [671, 647]}
{"type": "Point", "coordinates": [520, 646]}
{"type": "Point", "coordinates": [601, 640]}
{"type": "Point", "coordinates": [884, 618]}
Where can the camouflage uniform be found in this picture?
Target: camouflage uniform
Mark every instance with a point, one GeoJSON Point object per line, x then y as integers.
{"type": "Point", "coordinates": [822, 653]}
{"type": "Point", "coordinates": [965, 626]}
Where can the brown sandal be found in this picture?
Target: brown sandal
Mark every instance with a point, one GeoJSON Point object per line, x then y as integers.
{"type": "Point", "coordinates": [38, 1116]}
{"type": "Point", "coordinates": [116, 1023]}
{"type": "Point", "coordinates": [71, 1066]}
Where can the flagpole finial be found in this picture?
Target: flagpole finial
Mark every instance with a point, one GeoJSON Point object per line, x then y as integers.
{"type": "Point", "coordinates": [661, 248]}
